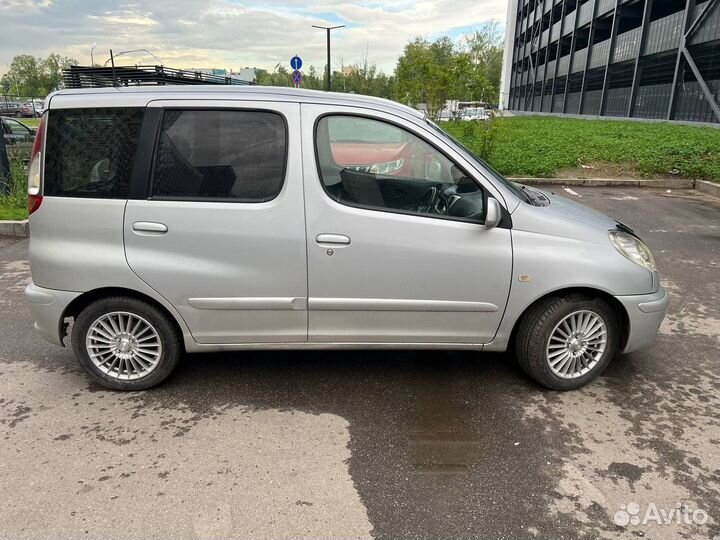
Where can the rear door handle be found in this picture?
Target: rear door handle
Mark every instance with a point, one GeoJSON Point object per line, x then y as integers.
{"type": "Point", "coordinates": [334, 239]}
{"type": "Point", "coordinates": [150, 227]}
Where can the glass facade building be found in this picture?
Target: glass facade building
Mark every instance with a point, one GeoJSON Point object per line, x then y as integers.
{"type": "Point", "coordinates": [626, 58]}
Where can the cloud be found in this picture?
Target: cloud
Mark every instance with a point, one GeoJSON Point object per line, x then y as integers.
{"type": "Point", "coordinates": [230, 34]}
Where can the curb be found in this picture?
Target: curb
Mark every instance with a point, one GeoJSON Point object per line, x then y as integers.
{"type": "Point", "coordinates": [709, 188]}
{"type": "Point", "coordinates": [675, 183]}
{"type": "Point", "coordinates": [19, 229]}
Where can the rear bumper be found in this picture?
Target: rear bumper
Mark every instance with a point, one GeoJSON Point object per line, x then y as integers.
{"type": "Point", "coordinates": [47, 307]}
{"type": "Point", "coordinates": [645, 314]}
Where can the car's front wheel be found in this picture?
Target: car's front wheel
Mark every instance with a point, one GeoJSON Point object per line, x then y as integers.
{"type": "Point", "coordinates": [125, 344]}
{"type": "Point", "coordinates": [565, 342]}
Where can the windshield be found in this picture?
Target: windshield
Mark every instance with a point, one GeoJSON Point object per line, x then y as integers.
{"type": "Point", "coordinates": [512, 186]}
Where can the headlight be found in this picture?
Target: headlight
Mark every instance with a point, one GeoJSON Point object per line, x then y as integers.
{"type": "Point", "coordinates": [387, 167]}
{"type": "Point", "coordinates": [633, 248]}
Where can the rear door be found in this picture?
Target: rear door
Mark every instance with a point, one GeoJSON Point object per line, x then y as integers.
{"type": "Point", "coordinates": [221, 231]}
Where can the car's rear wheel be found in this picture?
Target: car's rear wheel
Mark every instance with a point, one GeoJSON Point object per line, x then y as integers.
{"type": "Point", "coordinates": [125, 344]}
{"type": "Point", "coordinates": [565, 342]}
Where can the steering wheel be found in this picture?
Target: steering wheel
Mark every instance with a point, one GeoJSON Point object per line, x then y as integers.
{"type": "Point", "coordinates": [428, 201]}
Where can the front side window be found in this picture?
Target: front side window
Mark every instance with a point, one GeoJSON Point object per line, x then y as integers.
{"type": "Point", "coordinates": [91, 152]}
{"type": "Point", "coordinates": [219, 155]}
{"type": "Point", "coordinates": [379, 166]}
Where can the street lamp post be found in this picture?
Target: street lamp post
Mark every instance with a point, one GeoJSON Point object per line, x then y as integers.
{"type": "Point", "coordinates": [272, 76]}
{"type": "Point", "coordinates": [121, 53]}
{"type": "Point", "coordinates": [328, 29]}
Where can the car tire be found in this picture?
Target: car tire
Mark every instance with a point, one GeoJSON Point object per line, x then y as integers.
{"type": "Point", "coordinates": [555, 348]}
{"type": "Point", "coordinates": [126, 344]}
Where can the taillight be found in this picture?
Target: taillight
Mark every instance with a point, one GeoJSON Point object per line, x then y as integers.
{"type": "Point", "coordinates": [35, 169]}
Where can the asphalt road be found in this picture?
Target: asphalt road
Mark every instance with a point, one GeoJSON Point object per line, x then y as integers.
{"type": "Point", "coordinates": [378, 444]}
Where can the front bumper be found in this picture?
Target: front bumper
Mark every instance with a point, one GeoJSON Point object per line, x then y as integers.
{"type": "Point", "coordinates": [47, 307]}
{"type": "Point", "coordinates": [645, 314]}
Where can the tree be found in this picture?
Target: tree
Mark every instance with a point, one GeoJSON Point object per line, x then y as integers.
{"type": "Point", "coordinates": [29, 76]}
{"type": "Point", "coordinates": [53, 67]}
{"type": "Point", "coordinates": [363, 78]}
{"type": "Point", "coordinates": [424, 74]}
{"type": "Point", "coordinates": [469, 70]}
{"type": "Point", "coordinates": [485, 48]}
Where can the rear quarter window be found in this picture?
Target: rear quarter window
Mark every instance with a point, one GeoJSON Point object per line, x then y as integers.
{"type": "Point", "coordinates": [220, 155]}
{"type": "Point", "coordinates": [91, 152]}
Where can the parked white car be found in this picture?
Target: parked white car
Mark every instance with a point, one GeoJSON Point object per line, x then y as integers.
{"type": "Point", "coordinates": [478, 113]}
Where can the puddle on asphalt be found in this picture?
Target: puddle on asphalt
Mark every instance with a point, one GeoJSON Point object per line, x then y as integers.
{"type": "Point", "coordinates": [440, 439]}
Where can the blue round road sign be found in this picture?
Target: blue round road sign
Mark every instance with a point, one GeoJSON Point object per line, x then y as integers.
{"type": "Point", "coordinates": [296, 77]}
{"type": "Point", "coordinates": [296, 62]}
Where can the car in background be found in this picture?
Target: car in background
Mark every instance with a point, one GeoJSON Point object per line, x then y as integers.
{"type": "Point", "coordinates": [10, 108]}
{"type": "Point", "coordinates": [14, 130]}
{"type": "Point", "coordinates": [39, 105]}
{"type": "Point", "coordinates": [18, 138]}
{"type": "Point", "coordinates": [474, 113]}
{"type": "Point", "coordinates": [32, 109]}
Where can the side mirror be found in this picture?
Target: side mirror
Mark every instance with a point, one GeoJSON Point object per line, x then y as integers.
{"type": "Point", "coordinates": [493, 216]}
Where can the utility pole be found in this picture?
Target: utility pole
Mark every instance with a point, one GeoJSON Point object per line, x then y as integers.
{"type": "Point", "coordinates": [328, 29]}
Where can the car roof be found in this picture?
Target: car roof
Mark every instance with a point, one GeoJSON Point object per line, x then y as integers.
{"type": "Point", "coordinates": [136, 95]}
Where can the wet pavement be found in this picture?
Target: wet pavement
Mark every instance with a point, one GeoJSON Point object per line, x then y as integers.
{"type": "Point", "coordinates": [379, 444]}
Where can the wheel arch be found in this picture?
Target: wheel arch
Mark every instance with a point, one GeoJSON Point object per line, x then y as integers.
{"type": "Point", "coordinates": [590, 292]}
{"type": "Point", "coordinates": [74, 308]}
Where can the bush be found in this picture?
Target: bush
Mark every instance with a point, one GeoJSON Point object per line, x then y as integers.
{"type": "Point", "coordinates": [478, 135]}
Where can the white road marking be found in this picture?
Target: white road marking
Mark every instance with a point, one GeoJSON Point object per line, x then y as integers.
{"type": "Point", "coordinates": [572, 192]}
{"type": "Point", "coordinates": [622, 198]}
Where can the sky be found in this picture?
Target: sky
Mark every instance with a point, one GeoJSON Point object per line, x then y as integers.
{"type": "Point", "coordinates": [233, 34]}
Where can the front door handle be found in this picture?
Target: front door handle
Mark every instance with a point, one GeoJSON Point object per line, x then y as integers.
{"type": "Point", "coordinates": [333, 239]}
{"type": "Point", "coordinates": [149, 227]}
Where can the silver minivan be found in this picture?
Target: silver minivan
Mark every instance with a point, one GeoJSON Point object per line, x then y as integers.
{"type": "Point", "coordinates": [190, 219]}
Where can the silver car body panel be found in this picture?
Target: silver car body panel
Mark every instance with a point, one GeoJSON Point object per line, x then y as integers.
{"type": "Point", "coordinates": [47, 307]}
{"type": "Point", "coordinates": [76, 245]}
{"type": "Point", "coordinates": [231, 258]}
{"type": "Point", "coordinates": [645, 315]}
{"type": "Point", "coordinates": [241, 276]}
{"type": "Point", "coordinates": [379, 286]}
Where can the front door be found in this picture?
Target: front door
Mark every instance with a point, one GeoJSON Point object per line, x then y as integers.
{"type": "Point", "coordinates": [397, 248]}
{"type": "Point", "coordinates": [221, 234]}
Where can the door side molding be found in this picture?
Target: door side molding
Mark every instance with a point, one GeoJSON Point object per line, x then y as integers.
{"type": "Point", "coordinates": [393, 304]}
{"type": "Point", "coordinates": [259, 303]}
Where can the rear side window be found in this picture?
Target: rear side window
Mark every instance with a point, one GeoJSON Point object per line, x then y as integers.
{"type": "Point", "coordinates": [91, 152]}
{"type": "Point", "coordinates": [227, 155]}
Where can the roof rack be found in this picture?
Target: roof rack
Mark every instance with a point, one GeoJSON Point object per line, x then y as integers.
{"type": "Point", "coordinates": [99, 77]}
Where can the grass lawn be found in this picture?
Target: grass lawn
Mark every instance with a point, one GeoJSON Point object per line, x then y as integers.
{"type": "Point", "coordinates": [10, 212]}
{"type": "Point", "coordinates": [14, 205]}
{"type": "Point", "coordinates": [547, 146]}
{"type": "Point", "coordinates": [30, 122]}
